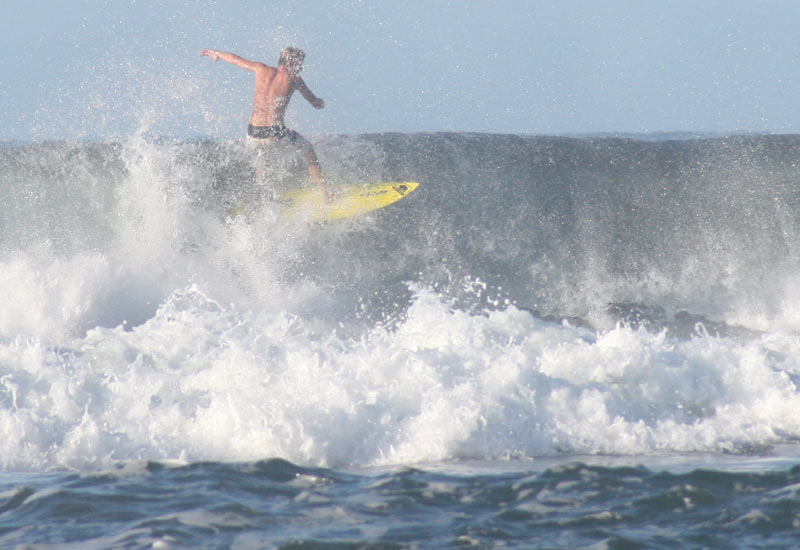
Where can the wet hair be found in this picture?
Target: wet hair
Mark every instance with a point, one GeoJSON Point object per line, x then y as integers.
{"type": "Point", "coordinates": [295, 56]}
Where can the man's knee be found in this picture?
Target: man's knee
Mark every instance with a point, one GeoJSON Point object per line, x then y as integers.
{"type": "Point", "coordinates": [311, 157]}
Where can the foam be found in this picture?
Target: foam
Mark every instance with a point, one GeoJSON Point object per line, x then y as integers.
{"type": "Point", "coordinates": [172, 332]}
{"type": "Point", "coordinates": [204, 381]}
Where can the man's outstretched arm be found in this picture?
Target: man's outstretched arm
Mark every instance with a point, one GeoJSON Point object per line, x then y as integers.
{"type": "Point", "coordinates": [317, 102]}
{"type": "Point", "coordinates": [233, 59]}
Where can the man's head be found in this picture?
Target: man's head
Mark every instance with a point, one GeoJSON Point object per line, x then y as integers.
{"type": "Point", "coordinates": [292, 59]}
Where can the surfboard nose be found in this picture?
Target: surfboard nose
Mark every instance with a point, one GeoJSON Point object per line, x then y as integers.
{"type": "Point", "coordinates": [405, 187]}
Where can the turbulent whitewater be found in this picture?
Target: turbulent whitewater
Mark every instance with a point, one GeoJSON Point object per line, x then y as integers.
{"type": "Point", "coordinates": [535, 297]}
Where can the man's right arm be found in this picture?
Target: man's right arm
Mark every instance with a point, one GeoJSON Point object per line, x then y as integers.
{"type": "Point", "coordinates": [233, 59]}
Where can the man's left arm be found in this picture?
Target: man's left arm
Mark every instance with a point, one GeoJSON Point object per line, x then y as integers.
{"type": "Point", "coordinates": [317, 102]}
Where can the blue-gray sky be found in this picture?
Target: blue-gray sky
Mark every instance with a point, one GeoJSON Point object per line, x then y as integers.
{"type": "Point", "coordinates": [109, 69]}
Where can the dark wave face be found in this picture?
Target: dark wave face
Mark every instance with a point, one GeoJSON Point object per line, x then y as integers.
{"type": "Point", "coordinates": [563, 226]}
{"type": "Point", "coordinates": [569, 226]}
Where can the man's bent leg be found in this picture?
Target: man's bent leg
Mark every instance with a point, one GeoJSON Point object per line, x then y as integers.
{"type": "Point", "coordinates": [260, 148]}
{"type": "Point", "coordinates": [314, 169]}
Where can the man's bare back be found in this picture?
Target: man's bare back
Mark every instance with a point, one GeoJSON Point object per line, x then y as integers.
{"type": "Point", "coordinates": [274, 87]}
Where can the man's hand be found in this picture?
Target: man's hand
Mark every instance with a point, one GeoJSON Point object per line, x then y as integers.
{"type": "Point", "coordinates": [210, 53]}
{"type": "Point", "coordinates": [318, 103]}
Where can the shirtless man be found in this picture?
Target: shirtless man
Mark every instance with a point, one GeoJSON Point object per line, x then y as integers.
{"type": "Point", "coordinates": [273, 88]}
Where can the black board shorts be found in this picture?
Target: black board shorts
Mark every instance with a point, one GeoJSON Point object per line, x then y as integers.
{"type": "Point", "coordinates": [257, 135]}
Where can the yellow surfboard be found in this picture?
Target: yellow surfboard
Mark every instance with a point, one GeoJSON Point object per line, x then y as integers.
{"type": "Point", "coordinates": [310, 204]}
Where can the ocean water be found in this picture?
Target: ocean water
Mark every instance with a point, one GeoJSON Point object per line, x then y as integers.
{"type": "Point", "coordinates": [587, 342]}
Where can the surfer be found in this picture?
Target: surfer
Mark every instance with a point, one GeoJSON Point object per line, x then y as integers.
{"type": "Point", "coordinates": [274, 87]}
